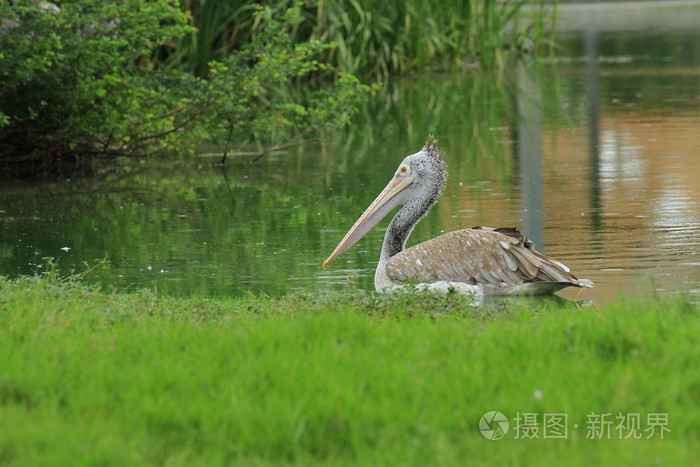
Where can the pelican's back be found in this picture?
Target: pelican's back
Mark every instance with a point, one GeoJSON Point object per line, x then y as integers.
{"type": "Point", "coordinates": [503, 261]}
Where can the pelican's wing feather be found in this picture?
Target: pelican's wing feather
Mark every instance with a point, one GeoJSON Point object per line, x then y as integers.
{"type": "Point", "coordinates": [480, 255]}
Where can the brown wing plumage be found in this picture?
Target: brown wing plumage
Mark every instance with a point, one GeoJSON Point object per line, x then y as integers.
{"type": "Point", "coordinates": [480, 255]}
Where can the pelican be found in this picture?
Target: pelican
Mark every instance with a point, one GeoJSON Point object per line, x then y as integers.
{"type": "Point", "coordinates": [480, 260]}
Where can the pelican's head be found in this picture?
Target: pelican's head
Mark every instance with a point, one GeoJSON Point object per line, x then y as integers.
{"type": "Point", "coordinates": [420, 176]}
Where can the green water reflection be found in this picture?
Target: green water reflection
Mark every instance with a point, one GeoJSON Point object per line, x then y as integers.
{"type": "Point", "coordinates": [573, 152]}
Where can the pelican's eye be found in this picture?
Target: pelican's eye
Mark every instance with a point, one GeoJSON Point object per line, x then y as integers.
{"type": "Point", "coordinates": [404, 170]}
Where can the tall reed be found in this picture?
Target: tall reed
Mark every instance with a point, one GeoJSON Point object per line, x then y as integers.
{"type": "Point", "coordinates": [377, 39]}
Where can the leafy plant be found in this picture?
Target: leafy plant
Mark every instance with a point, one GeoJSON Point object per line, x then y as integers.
{"type": "Point", "coordinates": [85, 87]}
{"type": "Point", "coordinates": [71, 81]}
{"type": "Point", "coordinates": [250, 95]}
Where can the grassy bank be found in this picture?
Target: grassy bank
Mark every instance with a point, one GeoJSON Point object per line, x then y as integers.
{"type": "Point", "coordinates": [90, 378]}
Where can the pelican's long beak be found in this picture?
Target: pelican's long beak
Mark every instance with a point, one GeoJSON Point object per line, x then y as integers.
{"type": "Point", "coordinates": [390, 197]}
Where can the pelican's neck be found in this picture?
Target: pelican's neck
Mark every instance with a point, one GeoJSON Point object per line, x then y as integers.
{"type": "Point", "coordinates": [404, 221]}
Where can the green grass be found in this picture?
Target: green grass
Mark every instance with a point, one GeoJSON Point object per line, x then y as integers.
{"type": "Point", "coordinates": [374, 39]}
{"type": "Point", "coordinates": [96, 378]}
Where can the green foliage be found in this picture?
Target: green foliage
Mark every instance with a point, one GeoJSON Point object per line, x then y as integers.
{"type": "Point", "coordinates": [77, 85]}
{"type": "Point", "coordinates": [249, 94]}
{"type": "Point", "coordinates": [93, 378]}
{"type": "Point", "coordinates": [86, 86]}
{"type": "Point", "coordinates": [378, 39]}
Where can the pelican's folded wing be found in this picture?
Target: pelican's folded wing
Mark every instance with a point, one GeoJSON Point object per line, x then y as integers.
{"type": "Point", "coordinates": [480, 255]}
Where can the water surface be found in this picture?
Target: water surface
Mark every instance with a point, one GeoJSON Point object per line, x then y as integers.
{"type": "Point", "coordinates": [594, 155]}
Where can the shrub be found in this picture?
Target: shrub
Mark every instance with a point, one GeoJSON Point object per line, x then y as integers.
{"type": "Point", "coordinates": [77, 85]}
